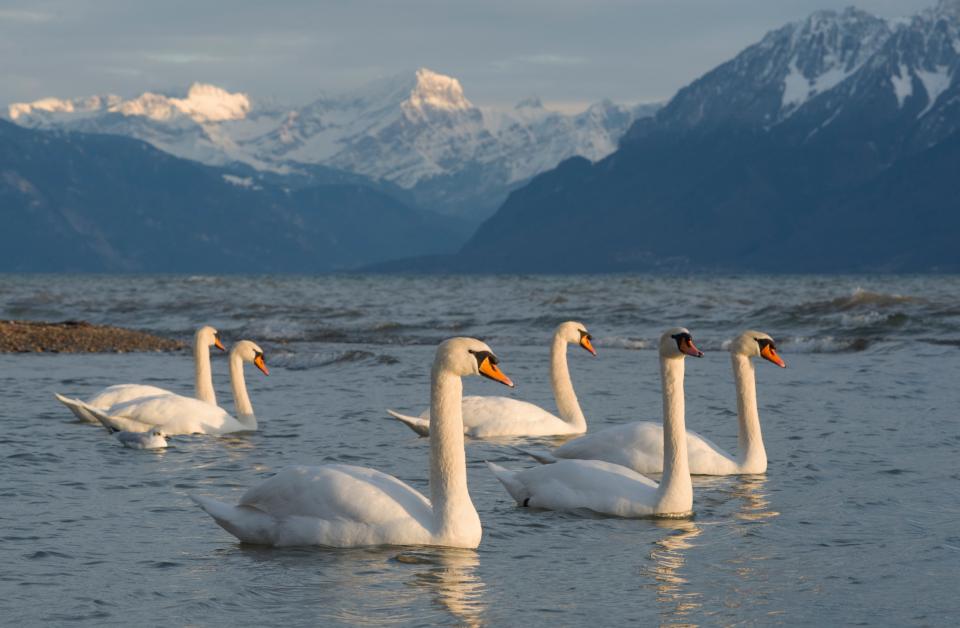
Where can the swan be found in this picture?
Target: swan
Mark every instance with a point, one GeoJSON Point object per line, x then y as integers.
{"type": "Point", "coordinates": [342, 505]}
{"type": "Point", "coordinates": [611, 489]}
{"type": "Point", "coordinates": [484, 417]}
{"type": "Point", "coordinates": [175, 414]}
{"type": "Point", "coordinates": [638, 445]}
{"type": "Point", "coordinates": [205, 338]}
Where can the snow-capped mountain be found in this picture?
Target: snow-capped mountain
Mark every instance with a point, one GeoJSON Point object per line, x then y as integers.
{"type": "Point", "coordinates": [832, 144]}
{"type": "Point", "coordinates": [812, 74]}
{"type": "Point", "coordinates": [419, 132]}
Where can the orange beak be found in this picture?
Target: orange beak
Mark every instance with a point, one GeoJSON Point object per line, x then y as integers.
{"type": "Point", "coordinates": [691, 349]}
{"type": "Point", "coordinates": [586, 344]}
{"type": "Point", "coordinates": [769, 353]}
{"type": "Point", "coordinates": [218, 344]}
{"type": "Point", "coordinates": [260, 364]}
{"type": "Point", "coordinates": [489, 369]}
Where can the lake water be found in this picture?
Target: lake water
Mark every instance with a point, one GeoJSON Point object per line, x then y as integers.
{"type": "Point", "coordinates": [856, 521]}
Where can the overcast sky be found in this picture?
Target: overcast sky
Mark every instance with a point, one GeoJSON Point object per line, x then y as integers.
{"type": "Point", "coordinates": [568, 53]}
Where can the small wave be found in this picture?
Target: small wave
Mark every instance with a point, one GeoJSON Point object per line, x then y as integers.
{"type": "Point", "coordinates": [824, 344]}
{"type": "Point", "coordinates": [858, 299]}
{"type": "Point", "coordinates": [620, 342]}
{"type": "Point", "coordinates": [320, 359]}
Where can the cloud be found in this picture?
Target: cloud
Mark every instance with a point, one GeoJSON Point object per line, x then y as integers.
{"type": "Point", "coordinates": [24, 17]}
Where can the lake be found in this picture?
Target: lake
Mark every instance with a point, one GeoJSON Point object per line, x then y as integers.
{"type": "Point", "coordinates": [856, 521]}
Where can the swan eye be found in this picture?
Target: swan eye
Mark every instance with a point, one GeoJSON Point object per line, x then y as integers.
{"type": "Point", "coordinates": [584, 334]}
{"type": "Point", "coordinates": [483, 355]}
{"type": "Point", "coordinates": [682, 339]}
{"type": "Point", "coordinates": [764, 343]}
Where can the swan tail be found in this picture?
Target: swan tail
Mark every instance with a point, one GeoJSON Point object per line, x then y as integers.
{"type": "Point", "coordinates": [77, 407]}
{"type": "Point", "coordinates": [249, 524]}
{"type": "Point", "coordinates": [510, 482]}
{"type": "Point", "coordinates": [543, 457]}
{"type": "Point", "coordinates": [415, 423]}
{"type": "Point", "coordinates": [114, 423]}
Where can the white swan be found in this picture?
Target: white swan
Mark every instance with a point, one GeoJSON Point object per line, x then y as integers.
{"type": "Point", "coordinates": [346, 506]}
{"type": "Point", "coordinates": [175, 414]}
{"type": "Point", "coordinates": [205, 338]}
{"type": "Point", "coordinates": [484, 417]}
{"type": "Point", "coordinates": [638, 445]}
{"type": "Point", "coordinates": [612, 489]}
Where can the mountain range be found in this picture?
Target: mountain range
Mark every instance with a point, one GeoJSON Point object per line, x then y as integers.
{"type": "Point", "coordinates": [415, 136]}
{"type": "Point", "coordinates": [831, 145]}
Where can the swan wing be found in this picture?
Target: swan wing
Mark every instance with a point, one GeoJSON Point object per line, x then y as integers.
{"type": "Point", "coordinates": [593, 485]}
{"type": "Point", "coordinates": [120, 393]}
{"type": "Point", "coordinates": [173, 414]}
{"type": "Point", "coordinates": [639, 446]}
{"type": "Point", "coordinates": [503, 416]}
{"type": "Point", "coordinates": [334, 505]}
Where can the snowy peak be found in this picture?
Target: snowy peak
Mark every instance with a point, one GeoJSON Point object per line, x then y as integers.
{"type": "Point", "coordinates": [436, 91]}
{"type": "Point", "coordinates": [825, 49]}
{"type": "Point", "coordinates": [203, 103]}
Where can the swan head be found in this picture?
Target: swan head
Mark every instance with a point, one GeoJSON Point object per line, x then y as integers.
{"type": "Point", "coordinates": [756, 344]}
{"type": "Point", "coordinates": [157, 433]}
{"type": "Point", "coordinates": [249, 351]}
{"type": "Point", "coordinates": [573, 332]}
{"type": "Point", "coordinates": [677, 343]}
{"type": "Point", "coordinates": [208, 336]}
{"type": "Point", "coordinates": [469, 356]}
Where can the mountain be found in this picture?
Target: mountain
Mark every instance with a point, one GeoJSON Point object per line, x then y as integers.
{"type": "Point", "coordinates": [416, 135]}
{"type": "Point", "coordinates": [830, 145]}
{"type": "Point", "coordinates": [80, 202]}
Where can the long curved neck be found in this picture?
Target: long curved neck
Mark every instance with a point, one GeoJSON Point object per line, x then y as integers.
{"type": "Point", "coordinates": [567, 404]}
{"type": "Point", "coordinates": [448, 463]}
{"type": "Point", "coordinates": [751, 456]}
{"type": "Point", "coordinates": [675, 493]}
{"type": "Point", "coordinates": [241, 400]}
{"type": "Point", "coordinates": [203, 377]}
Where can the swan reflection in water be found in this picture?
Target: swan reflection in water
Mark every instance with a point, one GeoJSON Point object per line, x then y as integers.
{"type": "Point", "coordinates": [365, 586]}
{"type": "Point", "coordinates": [450, 574]}
{"type": "Point", "coordinates": [668, 558]}
{"type": "Point", "coordinates": [680, 602]}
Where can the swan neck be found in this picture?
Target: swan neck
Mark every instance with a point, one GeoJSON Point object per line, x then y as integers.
{"type": "Point", "coordinates": [451, 502]}
{"type": "Point", "coordinates": [675, 493]}
{"type": "Point", "coordinates": [203, 376]}
{"type": "Point", "coordinates": [751, 455]}
{"type": "Point", "coordinates": [241, 400]}
{"type": "Point", "coordinates": [567, 404]}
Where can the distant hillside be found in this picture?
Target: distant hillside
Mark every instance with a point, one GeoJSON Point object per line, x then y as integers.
{"type": "Point", "coordinates": [79, 202]}
{"type": "Point", "coordinates": [831, 145]}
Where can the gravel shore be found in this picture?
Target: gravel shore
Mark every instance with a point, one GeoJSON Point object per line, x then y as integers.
{"type": "Point", "coordinates": [77, 337]}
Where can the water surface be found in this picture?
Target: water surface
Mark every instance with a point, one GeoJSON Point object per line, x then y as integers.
{"type": "Point", "coordinates": [856, 521]}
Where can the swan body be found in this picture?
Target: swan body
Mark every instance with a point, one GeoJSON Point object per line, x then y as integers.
{"type": "Point", "coordinates": [151, 439]}
{"type": "Point", "coordinates": [639, 445]}
{"type": "Point", "coordinates": [205, 338]}
{"type": "Point", "coordinates": [175, 414]}
{"type": "Point", "coordinates": [613, 489]}
{"type": "Point", "coordinates": [486, 417]}
{"type": "Point", "coordinates": [340, 505]}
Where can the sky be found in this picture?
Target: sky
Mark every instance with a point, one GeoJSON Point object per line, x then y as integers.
{"type": "Point", "coordinates": [568, 53]}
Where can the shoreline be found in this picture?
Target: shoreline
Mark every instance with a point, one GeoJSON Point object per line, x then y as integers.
{"type": "Point", "coordinates": [71, 336]}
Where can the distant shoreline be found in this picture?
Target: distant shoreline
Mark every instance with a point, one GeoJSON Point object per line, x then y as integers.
{"type": "Point", "coordinates": [78, 337]}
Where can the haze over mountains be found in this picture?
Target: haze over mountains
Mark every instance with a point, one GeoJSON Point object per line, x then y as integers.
{"type": "Point", "coordinates": [832, 144]}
